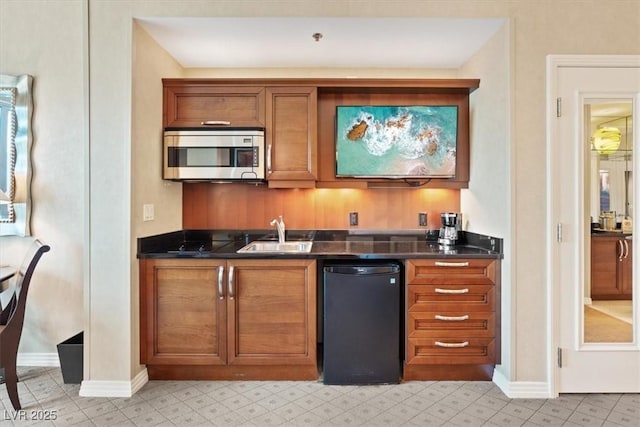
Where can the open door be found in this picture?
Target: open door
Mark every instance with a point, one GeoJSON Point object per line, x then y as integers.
{"type": "Point", "coordinates": [592, 261]}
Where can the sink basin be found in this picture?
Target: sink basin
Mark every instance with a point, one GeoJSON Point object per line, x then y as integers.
{"type": "Point", "coordinates": [296, 247]}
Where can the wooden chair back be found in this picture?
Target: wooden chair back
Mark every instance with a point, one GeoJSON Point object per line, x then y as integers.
{"type": "Point", "coordinates": [14, 300]}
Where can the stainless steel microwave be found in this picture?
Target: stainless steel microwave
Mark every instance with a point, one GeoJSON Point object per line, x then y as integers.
{"type": "Point", "coordinates": [234, 154]}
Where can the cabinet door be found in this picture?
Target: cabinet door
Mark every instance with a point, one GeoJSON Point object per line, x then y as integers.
{"type": "Point", "coordinates": [183, 314]}
{"type": "Point", "coordinates": [272, 312]}
{"type": "Point", "coordinates": [189, 105]}
{"type": "Point", "coordinates": [605, 251]}
{"type": "Point", "coordinates": [291, 134]}
{"type": "Point", "coordinates": [626, 275]}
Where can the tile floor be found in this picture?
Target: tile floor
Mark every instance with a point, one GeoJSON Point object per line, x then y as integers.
{"type": "Point", "coordinates": [288, 403]}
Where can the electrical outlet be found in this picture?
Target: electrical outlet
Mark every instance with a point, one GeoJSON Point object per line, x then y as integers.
{"type": "Point", "coordinates": [422, 219]}
{"type": "Point", "coordinates": [147, 212]}
{"type": "Point", "coordinates": [353, 218]}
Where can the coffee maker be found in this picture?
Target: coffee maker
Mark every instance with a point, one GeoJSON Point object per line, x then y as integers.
{"type": "Point", "coordinates": [451, 227]}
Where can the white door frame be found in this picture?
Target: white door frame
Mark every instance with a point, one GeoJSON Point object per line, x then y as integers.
{"type": "Point", "coordinates": [554, 63]}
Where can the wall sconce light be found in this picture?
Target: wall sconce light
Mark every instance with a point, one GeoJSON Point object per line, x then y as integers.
{"type": "Point", "coordinates": [606, 140]}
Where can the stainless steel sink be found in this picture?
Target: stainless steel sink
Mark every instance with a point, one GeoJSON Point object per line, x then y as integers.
{"type": "Point", "coordinates": [296, 247]}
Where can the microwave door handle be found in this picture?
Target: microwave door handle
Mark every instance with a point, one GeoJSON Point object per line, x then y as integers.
{"type": "Point", "coordinates": [269, 158]}
{"type": "Point", "coordinates": [215, 123]}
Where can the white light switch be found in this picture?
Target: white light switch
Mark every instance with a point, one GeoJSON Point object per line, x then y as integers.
{"type": "Point", "coordinates": [147, 212]}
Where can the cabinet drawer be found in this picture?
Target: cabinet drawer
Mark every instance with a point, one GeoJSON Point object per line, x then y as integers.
{"type": "Point", "coordinates": [448, 351]}
{"type": "Point", "coordinates": [451, 271]}
{"type": "Point", "coordinates": [453, 325]}
{"type": "Point", "coordinates": [450, 297]}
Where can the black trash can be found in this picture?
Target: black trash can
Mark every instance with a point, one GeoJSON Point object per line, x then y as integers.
{"type": "Point", "coordinates": [70, 354]}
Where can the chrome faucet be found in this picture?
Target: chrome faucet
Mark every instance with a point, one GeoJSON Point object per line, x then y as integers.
{"type": "Point", "coordinates": [280, 226]}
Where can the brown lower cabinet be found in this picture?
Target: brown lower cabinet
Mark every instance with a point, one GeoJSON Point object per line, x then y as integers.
{"type": "Point", "coordinates": [452, 319]}
{"type": "Point", "coordinates": [611, 267]}
{"type": "Point", "coordinates": [228, 319]}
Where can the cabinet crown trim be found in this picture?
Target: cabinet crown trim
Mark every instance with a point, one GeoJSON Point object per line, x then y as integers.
{"type": "Point", "coordinates": [436, 85]}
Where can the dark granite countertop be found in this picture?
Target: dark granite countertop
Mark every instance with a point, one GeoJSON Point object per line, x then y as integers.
{"type": "Point", "coordinates": [596, 232]}
{"type": "Point", "coordinates": [326, 244]}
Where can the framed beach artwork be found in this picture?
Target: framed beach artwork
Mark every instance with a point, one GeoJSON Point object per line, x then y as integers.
{"type": "Point", "coordinates": [396, 142]}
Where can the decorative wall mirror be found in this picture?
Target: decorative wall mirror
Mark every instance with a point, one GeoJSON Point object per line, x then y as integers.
{"type": "Point", "coordinates": [16, 107]}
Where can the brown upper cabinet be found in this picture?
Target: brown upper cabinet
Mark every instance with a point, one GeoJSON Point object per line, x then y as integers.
{"type": "Point", "coordinates": [200, 105]}
{"type": "Point", "coordinates": [291, 136]}
{"type": "Point", "coordinates": [299, 120]}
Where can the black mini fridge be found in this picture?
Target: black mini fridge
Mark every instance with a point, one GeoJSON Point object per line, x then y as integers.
{"type": "Point", "coordinates": [361, 323]}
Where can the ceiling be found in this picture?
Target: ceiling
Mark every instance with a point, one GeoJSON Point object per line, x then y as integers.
{"type": "Point", "coordinates": [344, 42]}
{"type": "Point", "coordinates": [613, 112]}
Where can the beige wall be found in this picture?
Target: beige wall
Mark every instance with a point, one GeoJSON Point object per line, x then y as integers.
{"type": "Point", "coordinates": [118, 185]}
{"type": "Point", "coordinates": [32, 41]}
{"type": "Point", "coordinates": [488, 202]}
{"type": "Point", "coordinates": [568, 27]}
{"type": "Point", "coordinates": [150, 64]}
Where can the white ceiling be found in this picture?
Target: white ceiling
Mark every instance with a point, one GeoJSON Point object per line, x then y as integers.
{"type": "Point", "coordinates": [610, 108]}
{"type": "Point", "coordinates": [345, 42]}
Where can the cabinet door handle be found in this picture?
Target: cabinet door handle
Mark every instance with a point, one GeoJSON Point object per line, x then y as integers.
{"type": "Point", "coordinates": [230, 289]}
{"type": "Point", "coordinates": [220, 282]}
{"type": "Point", "coordinates": [269, 158]}
{"type": "Point", "coordinates": [452, 344]}
{"type": "Point", "coordinates": [626, 248]}
{"type": "Point", "coordinates": [452, 264]}
{"type": "Point", "coordinates": [452, 318]}
{"type": "Point", "coordinates": [451, 291]}
{"type": "Point", "coordinates": [215, 123]}
{"type": "Point", "coordinates": [621, 250]}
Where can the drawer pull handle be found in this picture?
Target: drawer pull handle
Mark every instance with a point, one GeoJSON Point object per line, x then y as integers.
{"type": "Point", "coordinates": [452, 291]}
{"type": "Point", "coordinates": [452, 264]}
{"type": "Point", "coordinates": [452, 344]}
{"type": "Point", "coordinates": [215, 123]}
{"type": "Point", "coordinates": [452, 318]}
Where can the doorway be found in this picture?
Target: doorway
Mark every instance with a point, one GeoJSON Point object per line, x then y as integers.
{"type": "Point", "coordinates": [591, 259]}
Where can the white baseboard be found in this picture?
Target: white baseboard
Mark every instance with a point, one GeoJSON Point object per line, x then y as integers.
{"type": "Point", "coordinates": [91, 388]}
{"type": "Point", "coordinates": [522, 389]}
{"type": "Point", "coordinates": [37, 359]}
{"type": "Point", "coordinates": [88, 388]}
